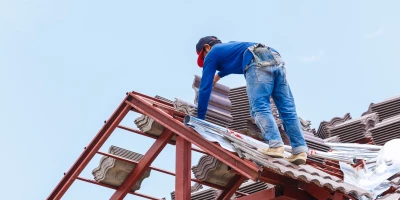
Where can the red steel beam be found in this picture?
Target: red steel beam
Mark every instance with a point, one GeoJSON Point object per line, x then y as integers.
{"type": "Point", "coordinates": [291, 186]}
{"type": "Point", "coordinates": [247, 169]}
{"type": "Point", "coordinates": [315, 191]}
{"type": "Point", "coordinates": [143, 165]}
{"type": "Point", "coordinates": [183, 165]}
{"type": "Point", "coordinates": [155, 137]}
{"type": "Point", "coordinates": [267, 194]}
{"type": "Point", "coordinates": [141, 133]}
{"type": "Point", "coordinates": [153, 99]}
{"type": "Point", "coordinates": [168, 172]}
{"type": "Point", "coordinates": [231, 187]}
{"type": "Point", "coordinates": [338, 196]}
{"type": "Point", "coordinates": [91, 150]}
{"type": "Point", "coordinates": [112, 187]}
{"type": "Point", "coordinates": [170, 110]}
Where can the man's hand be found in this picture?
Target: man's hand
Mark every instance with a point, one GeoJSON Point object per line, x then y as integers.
{"type": "Point", "coordinates": [216, 79]}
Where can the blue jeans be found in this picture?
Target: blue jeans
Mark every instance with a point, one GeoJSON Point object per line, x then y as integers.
{"type": "Point", "coordinates": [266, 77]}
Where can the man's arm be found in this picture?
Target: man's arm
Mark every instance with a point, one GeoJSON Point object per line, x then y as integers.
{"type": "Point", "coordinates": [206, 84]}
{"type": "Point", "coordinates": [216, 78]}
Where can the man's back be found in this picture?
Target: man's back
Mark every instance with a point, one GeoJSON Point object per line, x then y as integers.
{"type": "Point", "coordinates": [228, 58]}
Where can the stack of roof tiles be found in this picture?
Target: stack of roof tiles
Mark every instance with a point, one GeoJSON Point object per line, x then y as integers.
{"type": "Point", "coordinates": [210, 169]}
{"type": "Point", "coordinates": [385, 109]}
{"type": "Point", "coordinates": [243, 122]}
{"type": "Point", "coordinates": [219, 106]}
{"type": "Point", "coordinates": [241, 109]}
{"type": "Point", "coordinates": [315, 143]}
{"type": "Point", "coordinates": [219, 117]}
{"type": "Point", "coordinates": [386, 130]}
{"type": "Point", "coordinates": [150, 126]}
{"type": "Point", "coordinates": [248, 187]}
{"type": "Point", "coordinates": [389, 116]}
{"type": "Point", "coordinates": [113, 172]}
{"type": "Point", "coordinates": [354, 130]}
{"type": "Point", "coordinates": [325, 126]}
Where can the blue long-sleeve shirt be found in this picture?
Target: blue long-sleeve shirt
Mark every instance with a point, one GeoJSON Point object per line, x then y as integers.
{"type": "Point", "coordinates": [227, 58]}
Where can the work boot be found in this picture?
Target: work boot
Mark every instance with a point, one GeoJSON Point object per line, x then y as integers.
{"type": "Point", "coordinates": [297, 159]}
{"type": "Point", "coordinates": [273, 152]}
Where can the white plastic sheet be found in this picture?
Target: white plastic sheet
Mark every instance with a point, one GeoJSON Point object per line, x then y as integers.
{"type": "Point", "coordinates": [375, 181]}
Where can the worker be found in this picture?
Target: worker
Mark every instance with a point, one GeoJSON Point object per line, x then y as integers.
{"type": "Point", "coordinates": [265, 74]}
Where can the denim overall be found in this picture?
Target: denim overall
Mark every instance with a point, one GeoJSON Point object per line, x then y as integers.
{"type": "Point", "coordinates": [266, 77]}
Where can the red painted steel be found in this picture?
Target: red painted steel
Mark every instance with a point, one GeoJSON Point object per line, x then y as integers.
{"type": "Point", "coordinates": [90, 150]}
{"type": "Point", "coordinates": [143, 165]}
{"type": "Point", "coordinates": [141, 133]}
{"type": "Point", "coordinates": [247, 169]}
{"type": "Point", "coordinates": [338, 196]}
{"type": "Point", "coordinates": [290, 186]}
{"type": "Point", "coordinates": [231, 187]}
{"type": "Point", "coordinates": [315, 191]}
{"type": "Point", "coordinates": [183, 165]}
{"type": "Point", "coordinates": [112, 187]}
{"type": "Point", "coordinates": [152, 98]}
{"type": "Point", "coordinates": [267, 194]}
{"type": "Point", "coordinates": [169, 110]}
{"type": "Point", "coordinates": [155, 137]}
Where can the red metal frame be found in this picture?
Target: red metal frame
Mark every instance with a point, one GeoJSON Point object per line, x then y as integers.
{"type": "Point", "coordinates": [232, 186]}
{"type": "Point", "coordinates": [250, 170]}
{"type": "Point", "coordinates": [90, 150]}
{"type": "Point", "coordinates": [112, 187]}
{"type": "Point", "coordinates": [163, 113]}
{"type": "Point", "coordinates": [262, 195]}
{"type": "Point", "coordinates": [143, 165]}
{"type": "Point", "coordinates": [183, 165]}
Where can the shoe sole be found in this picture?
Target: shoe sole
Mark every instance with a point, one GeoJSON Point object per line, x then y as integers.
{"type": "Point", "coordinates": [275, 156]}
{"type": "Point", "coordinates": [272, 155]}
{"type": "Point", "coordinates": [298, 161]}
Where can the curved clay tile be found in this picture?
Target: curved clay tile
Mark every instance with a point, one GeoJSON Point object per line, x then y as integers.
{"type": "Point", "coordinates": [210, 169]}
{"type": "Point", "coordinates": [219, 95]}
{"type": "Point", "coordinates": [324, 127]}
{"type": "Point", "coordinates": [150, 126]}
{"type": "Point", "coordinates": [113, 172]}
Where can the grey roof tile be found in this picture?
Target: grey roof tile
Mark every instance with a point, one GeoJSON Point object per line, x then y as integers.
{"type": "Point", "coordinates": [214, 115]}
{"type": "Point", "coordinates": [323, 130]}
{"type": "Point", "coordinates": [210, 169]}
{"type": "Point", "coordinates": [355, 129]}
{"type": "Point", "coordinates": [219, 95]}
{"type": "Point", "coordinates": [113, 172]}
{"type": "Point", "coordinates": [385, 109]}
{"type": "Point", "coordinates": [386, 130]}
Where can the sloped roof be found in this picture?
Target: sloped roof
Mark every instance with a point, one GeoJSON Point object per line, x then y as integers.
{"type": "Point", "coordinates": [324, 173]}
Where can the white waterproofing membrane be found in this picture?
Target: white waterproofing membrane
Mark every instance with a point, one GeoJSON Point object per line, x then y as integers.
{"type": "Point", "coordinates": [375, 178]}
{"type": "Point", "coordinates": [382, 162]}
{"type": "Point", "coordinates": [215, 133]}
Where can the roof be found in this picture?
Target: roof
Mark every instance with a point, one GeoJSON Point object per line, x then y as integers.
{"type": "Point", "coordinates": [161, 119]}
{"type": "Point", "coordinates": [343, 129]}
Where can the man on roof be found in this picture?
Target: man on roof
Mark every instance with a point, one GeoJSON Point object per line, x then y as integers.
{"type": "Point", "coordinates": [265, 74]}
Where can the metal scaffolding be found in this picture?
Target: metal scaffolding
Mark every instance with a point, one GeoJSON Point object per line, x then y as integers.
{"type": "Point", "coordinates": [164, 113]}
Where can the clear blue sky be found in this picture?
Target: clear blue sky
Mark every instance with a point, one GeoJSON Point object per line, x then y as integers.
{"type": "Point", "coordinates": [66, 65]}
